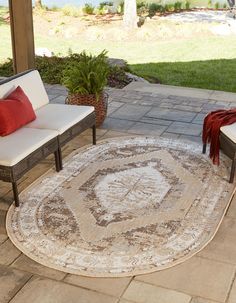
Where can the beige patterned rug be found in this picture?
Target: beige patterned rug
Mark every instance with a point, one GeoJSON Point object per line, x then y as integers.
{"type": "Point", "coordinates": [124, 207]}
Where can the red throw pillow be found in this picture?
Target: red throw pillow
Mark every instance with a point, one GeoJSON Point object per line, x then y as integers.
{"type": "Point", "coordinates": [15, 111]}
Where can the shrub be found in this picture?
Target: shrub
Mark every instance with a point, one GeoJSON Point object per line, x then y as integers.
{"type": "Point", "coordinates": [141, 7]}
{"type": "Point", "coordinates": [154, 8]}
{"type": "Point", "coordinates": [225, 6]}
{"type": "Point", "coordinates": [187, 5]}
{"type": "Point", "coordinates": [121, 7]}
{"type": "Point", "coordinates": [51, 69]}
{"type": "Point", "coordinates": [105, 3]}
{"type": "Point", "coordinates": [117, 77]}
{"type": "Point", "coordinates": [169, 7]}
{"type": "Point", "coordinates": [6, 68]}
{"type": "Point", "coordinates": [209, 3]}
{"type": "Point", "coordinates": [73, 11]}
{"type": "Point", "coordinates": [217, 5]}
{"type": "Point", "coordinates": [88, 9]}
{"type": "Point", "coordinates": [177, 6]}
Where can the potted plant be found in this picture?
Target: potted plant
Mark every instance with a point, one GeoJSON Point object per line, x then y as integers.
{"type": "Point", "coordinates": [85, 80]}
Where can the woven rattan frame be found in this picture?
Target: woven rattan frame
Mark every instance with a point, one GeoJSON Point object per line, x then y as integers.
{"type": "Point", "coordinates": [14, 173]}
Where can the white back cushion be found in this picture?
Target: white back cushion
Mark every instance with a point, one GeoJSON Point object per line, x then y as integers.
{"type": "Point", "coordinates": [32, 85]}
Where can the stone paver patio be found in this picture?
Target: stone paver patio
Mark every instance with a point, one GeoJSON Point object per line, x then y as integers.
{"type": "Point", "coordinates": [208, 277]}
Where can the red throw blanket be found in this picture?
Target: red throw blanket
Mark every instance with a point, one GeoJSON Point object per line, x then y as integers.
{"type": "Point", "coordinates": [211, 130]}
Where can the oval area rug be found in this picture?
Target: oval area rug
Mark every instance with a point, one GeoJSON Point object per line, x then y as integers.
{"type": "Point", "coordinates": [124, 207]}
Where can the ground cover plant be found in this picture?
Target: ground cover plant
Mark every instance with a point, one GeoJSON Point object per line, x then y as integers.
{"type": "Point", "coordinates": [209, 74]}
{"type": "Point", "coordinates": [52, 69]}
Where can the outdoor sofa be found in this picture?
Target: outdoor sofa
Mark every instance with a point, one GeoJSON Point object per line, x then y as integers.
{"type": "Point", "coordinates": [54, 126]}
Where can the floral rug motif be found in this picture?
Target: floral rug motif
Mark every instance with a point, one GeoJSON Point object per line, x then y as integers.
{"type": "Point", "coordinates": [124, 207]}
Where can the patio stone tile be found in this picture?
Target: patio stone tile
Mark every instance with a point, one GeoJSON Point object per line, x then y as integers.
{"type": "Point", "coordinates": [117, 124]}
{"type": "Point", "coordinates": [8, 253]}
{"type": "Point", "coordinates": [111, 286]}
{"type": "Point", "coordinates": [201, 300]}
{"type": "Point", "coordinates": [114, 134]}
{"type": "Point", "coordinates": [11, 281]}
{"type": "Point", "coordinates": [142, 293]}
{"type": "Point", "coordinates": [232, 295]}
{"type": "Point", "coordinates": [152, 99]}
{"type": "Point", "coordinates": [3, 214]}
{"type": "Point", "coordinates": [223, 246]}
{"type": "Point", "coordinates": [147, 129]}
{"type": "Point", "coordinates": [111, 110]}
{"type": "Point", "coordinates": [170, 135]}
{"type": "Point", "coordinates": [88, 132]}
{"type": "Point", "coordinates": [197, 102]}
{"type": "Point", "coordinates": [166, 105]}
{"type": "Point", "coordinates": [223, 96]}
{"type": "Point", "coordinates": [40, 290]}
{"type": "Point", "coordinates": [148, 102]}
{"type": "Point", "coordinates": [156, 121]}
{"type": "Point", "coordinates": [169, 114]}
{"type": "Point", "coordinates": [232, 208]}
{"type": "Point", "coordinates": [199, 119]}
{"type": "Point", "coordinates": [116, 104]}
{"type": "Point", "coordinates": [211, 107]}
{"type": "Point", "coordinates": [191, 138]}
{"type": "Point", "coordinates": [131, 112]}
{"type": "Point", "coordinates": [132, 95]}
{"type": "Point", "coordinates": [173, 101]}
{"type": "Point", "coordinates": [182, 128]}
{"type": "Point", "coordinates": [5, 202]}
{"type": "Point", "coordinates": [188, 108]}
{"type": "Point", "coordinates": [26, 264]}
{"type": "Point", "coordinates": [197, 277]}
{"type": "Point", "coordinates": [3, 238]}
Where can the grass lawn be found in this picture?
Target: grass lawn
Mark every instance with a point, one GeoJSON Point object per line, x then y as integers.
{"type": "Point", "coordinates": [197, 61]}
{"type": "Point", "coordinates": [209, 74]}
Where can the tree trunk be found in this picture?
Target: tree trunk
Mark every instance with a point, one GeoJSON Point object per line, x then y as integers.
{"type": "Point", "coordinates": [130, 14]}
{"type": "Point", "coordinates": [38, 3]}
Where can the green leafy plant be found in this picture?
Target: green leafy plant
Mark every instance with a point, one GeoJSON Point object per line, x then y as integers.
{"type": "Point", "coordinates": [117, 77]}
{"type": "Point", "coordinates": [88, 9]}
{"type": "Point", "coordinates": [177, 6]}
{"type": "Point", "coordinates": [169, 7]}
{"type": "Point", "coordinates": [88, 75]}
{"type": "Point", "coordinates": [104, 3]}
{"type": "Point", "coordinates": [217, 5]}
{"type": "Point", "coordinates": [187, 5]}
{"type": "Point", "coordinates": [154, 8]}
{"type": "Point", "coordinates": [120, 8]}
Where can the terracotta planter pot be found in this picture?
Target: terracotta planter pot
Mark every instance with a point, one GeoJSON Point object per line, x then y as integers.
{"type": "Point", "coordinates": [100, 105]}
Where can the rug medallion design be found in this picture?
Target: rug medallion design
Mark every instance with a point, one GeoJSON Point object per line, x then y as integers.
{"type": "Point", "coordinates": [126, 206]}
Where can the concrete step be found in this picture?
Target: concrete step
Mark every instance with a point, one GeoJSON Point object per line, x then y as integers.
{"type": "Point", "coordinates": [169, 90]}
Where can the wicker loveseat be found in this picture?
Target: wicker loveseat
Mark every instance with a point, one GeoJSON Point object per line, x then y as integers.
{"type": "Point", "coordinates": [54, 126]}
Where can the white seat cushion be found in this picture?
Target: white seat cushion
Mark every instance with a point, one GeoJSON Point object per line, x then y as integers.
{"type": "Point", "coordinates": [20, 144]}
{"type": "Point", "coordinates": [229, 131]}
{"type": "Point", "coordinates": [32, 85]}
{"type": "Point", "coordinates": [59, 117]}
